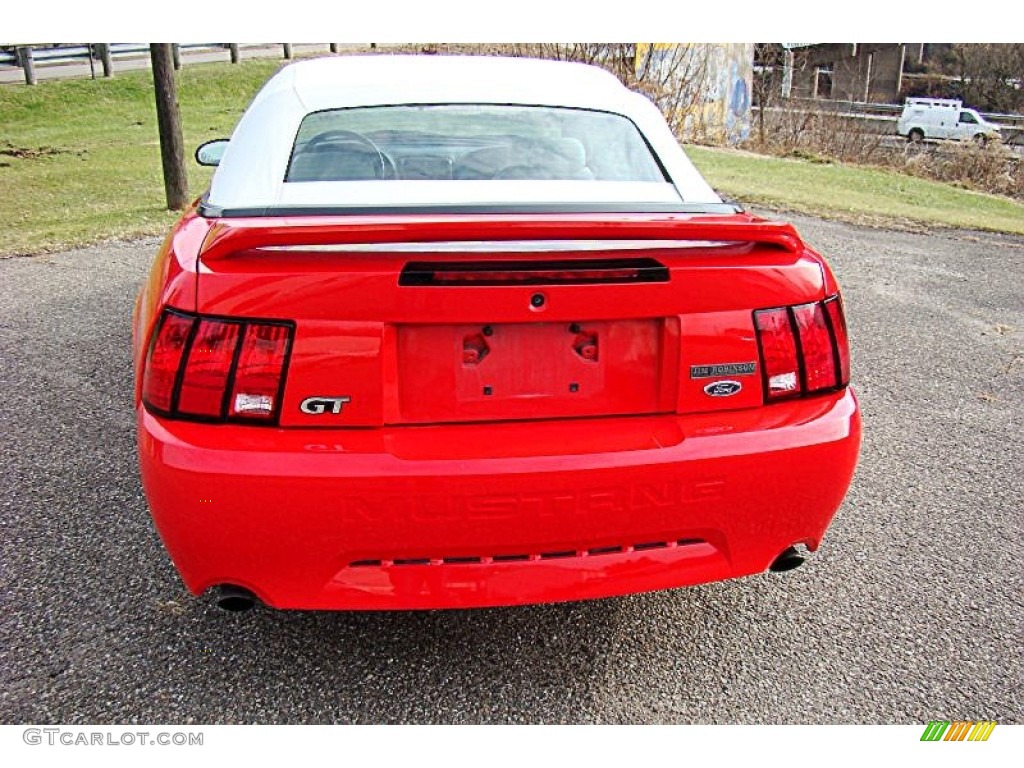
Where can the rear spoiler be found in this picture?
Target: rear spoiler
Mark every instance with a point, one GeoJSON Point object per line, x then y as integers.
{"type": "Point", "coordinates": [231, 236]}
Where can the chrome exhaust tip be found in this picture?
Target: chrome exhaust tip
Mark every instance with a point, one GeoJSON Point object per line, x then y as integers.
{"type": "Point", "coordinates": [787, 561]}
{"type": "Point", "coordinates": [235, 599]}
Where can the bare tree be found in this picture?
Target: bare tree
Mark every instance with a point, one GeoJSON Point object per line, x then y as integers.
{"type": "Point", "coordinates": [675, 77]}
{"type": "Point", "coordinates": [617, 58]}
{"type": "Point", "coordinates": [766, 86]}
{"type": "Point", "coordinates": [992, 75]}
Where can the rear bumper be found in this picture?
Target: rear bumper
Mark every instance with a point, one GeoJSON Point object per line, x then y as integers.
{"type": "Point", "coordinates": [495, 514]}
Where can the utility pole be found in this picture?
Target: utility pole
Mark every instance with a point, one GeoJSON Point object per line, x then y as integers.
{"type": "Point", "coordinates": [287, 50]}
{"type": "Point", "coordinates": [172, 147]}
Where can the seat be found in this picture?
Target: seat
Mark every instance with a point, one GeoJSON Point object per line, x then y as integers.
{"type": "Point", "coordinates": [563, 158]}
{"type": "Point", "coordinates": [335, 161]}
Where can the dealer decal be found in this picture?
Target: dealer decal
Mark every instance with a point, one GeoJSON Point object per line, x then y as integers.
{"type": "Point", "coordinates": [722, 369]}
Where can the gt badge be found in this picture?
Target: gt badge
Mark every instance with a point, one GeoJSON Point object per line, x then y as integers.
{"type": "Point", "coordinates": [722, 388]}
{"type": "Point", "coordinates": [318, 405]}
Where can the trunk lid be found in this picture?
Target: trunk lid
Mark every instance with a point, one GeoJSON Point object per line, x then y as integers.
{"type": "Point", "coordinates": [441, 319]}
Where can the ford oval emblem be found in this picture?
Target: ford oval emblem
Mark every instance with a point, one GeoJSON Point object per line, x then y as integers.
{"type": "Point", "coordinates": [723, 388]}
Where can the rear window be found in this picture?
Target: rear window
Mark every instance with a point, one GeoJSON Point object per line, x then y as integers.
{"type": "Point", "coordinates": [470, 142]}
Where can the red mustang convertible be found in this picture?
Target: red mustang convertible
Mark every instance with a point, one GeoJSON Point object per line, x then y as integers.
{"type": "Point", "coordinates": [452, 332]}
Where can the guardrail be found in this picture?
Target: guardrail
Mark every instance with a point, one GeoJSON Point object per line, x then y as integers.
{"type": "Point", "coordinates": [80, 52]}
{"type": "Point", "coordinates": [884, 124]}
{"type": "Point", "coordinates": [29, 58]}
{"type": "Point", "coordinates": [883, 110]}
{"type": "Point", "coordinates": [92, 52]}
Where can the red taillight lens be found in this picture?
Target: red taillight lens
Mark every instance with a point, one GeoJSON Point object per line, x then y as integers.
{"type": "Point", "coordinates": [778, 353]}
{"type": "Point", "coordinates": [209, 365]}
{"type": "Point", "coordinates": [834, 307]}
{"type": "Point", "coordinates": [816, 345]}
{"type": "Point", "coordinates": [258, 376]}
{"type": "Point", "coordinates": [804, 348]}
{"type": "Point", "coordinates": [164, 361]}
{"type": "Point", "coordinates": [216, 369]}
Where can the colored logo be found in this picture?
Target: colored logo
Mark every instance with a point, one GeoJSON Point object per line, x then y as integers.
{"type": "Point", "coordinates": [958, 730]}
{"type": "Point", "coordinates": [723, 388]}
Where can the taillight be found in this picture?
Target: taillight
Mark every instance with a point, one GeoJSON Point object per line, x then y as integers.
{"type": "Point", "coordinates": [162, 365]}
{"type": "Point", "coordinates": [804, 348]}
{"type": "Point", "coordinates": [834, 307]}
{"type": "Point", "coordinates": [816, 347]}
{"type": "Point", "coordinates": [778, 353]}
{"type": "Point", "coordinates": [209, 368]}
{"type": "Point", "coordinates": [216, 369]}
{"type": "Point", "coordinates": [255, 394]}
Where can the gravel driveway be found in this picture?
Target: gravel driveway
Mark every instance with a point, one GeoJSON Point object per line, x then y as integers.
{"type": "Point", "coordinates": [910, 612]}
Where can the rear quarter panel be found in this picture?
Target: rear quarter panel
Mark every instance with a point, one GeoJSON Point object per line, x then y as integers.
{"type": "Point", "coordinates": [171, 282]}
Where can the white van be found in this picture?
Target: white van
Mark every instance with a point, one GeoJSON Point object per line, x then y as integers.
{"type": "Point", "coordinates": [943, 119]}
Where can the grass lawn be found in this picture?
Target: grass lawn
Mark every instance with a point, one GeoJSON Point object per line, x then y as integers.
{"type": "Point", "coordinates": [80, 159]}
{"type": "Point", "coordinates": [850, 193]}
{"type": "Point", "coordinates": [80, 162]}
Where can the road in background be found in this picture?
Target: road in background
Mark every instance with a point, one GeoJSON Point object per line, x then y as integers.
{"type": "Point", "coordinates": [135, 60]}
{"type": "Point", "coordinates": [872, 119]}
{"type": "Point", "coordinates": [910, 612]}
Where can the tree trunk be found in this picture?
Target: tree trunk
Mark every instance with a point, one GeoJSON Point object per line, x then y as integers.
{"type": "Point", "coordinates": [176, 55]}
{"type": "Point", "coordinates": [28, 64]}
{"type": "Point", "coordinates": [233, 50]}
{"type": "Point", "coordinates": [172, 147]}
{"type": "Point", "coordinates": [108, 63]}
{"type": "Point", "coordinates": [287, 50]}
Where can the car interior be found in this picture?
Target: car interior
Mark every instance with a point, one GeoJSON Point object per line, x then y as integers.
{"type": "Point", "coordinates": [344, 155]}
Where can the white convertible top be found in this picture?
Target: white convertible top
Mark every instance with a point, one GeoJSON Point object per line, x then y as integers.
{"type": "Point", "coordinates": [251, 174]}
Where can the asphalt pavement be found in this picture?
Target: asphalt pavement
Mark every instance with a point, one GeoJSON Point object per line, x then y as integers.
{"type": "Point", "coordinates": [910, 612]}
